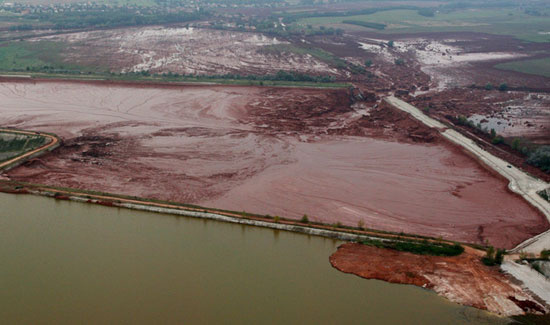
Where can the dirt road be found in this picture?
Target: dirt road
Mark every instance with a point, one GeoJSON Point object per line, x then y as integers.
{"type": "Point", "coordinates": [520, 182]}
{"type": "Point", "coordinates": [53, 142]}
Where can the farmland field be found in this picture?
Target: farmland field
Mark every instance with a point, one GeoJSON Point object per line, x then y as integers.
{"type": "Point", "coordinates": [34, 55]}
{"type": "Point", "coordinates": [540, 67]}
{"type": "Point", "coordinates": [493, 21]}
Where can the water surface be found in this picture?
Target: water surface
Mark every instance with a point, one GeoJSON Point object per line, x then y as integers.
{"type": "Point", "coordinates": [67, 262]}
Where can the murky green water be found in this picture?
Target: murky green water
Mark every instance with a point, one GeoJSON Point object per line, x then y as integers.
{"type": "Point", "coordinates": [66, 262]}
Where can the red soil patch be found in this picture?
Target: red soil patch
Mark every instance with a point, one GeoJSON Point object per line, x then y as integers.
{"type": "Point", "coordinates": [283, 151]}
{"type": "Point", "coordinates": [462, 279]}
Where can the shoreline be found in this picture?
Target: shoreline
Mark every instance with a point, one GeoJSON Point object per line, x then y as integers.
{"type": "Point", "coordinates": [179, 209]}
{"type": "Point", "coordinates": [335, 232]}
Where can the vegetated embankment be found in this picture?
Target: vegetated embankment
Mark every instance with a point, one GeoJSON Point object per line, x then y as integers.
{"type": "Point", "coordinates": [19, 146]}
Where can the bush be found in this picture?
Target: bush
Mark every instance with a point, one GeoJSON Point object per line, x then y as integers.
{"type": "Point", "coordinates": [304, 219]}
{"type": "Point", "coordinates": [489, 86]}
{"type": "Point", "coordinates": [399, 62]}
{"type": "Point", "coordinates": [463, 120]}
{"type": "Point", "coordinates": [368, 63]}
{"type": "Point", "coordinates": [356, 69]}
{"type": "Point", "coordinates": [540, 158]}
{"type": "Point", "coordinates": [361, 224]}
{"type": "Point", "coordinates": [390, 43]}
{"type": "Point", "coordinates": [503, 87]}
{"type": "Point", "coordinates": [497, 140]}
{"type": "Point", "coordinates": [516, 143]}
{"type": "Point", "coordinates": [545, 254]}
{"type": "Point", "coordinates": [493, 257]}
{"type": "Point", "coordinates": [420, 248]}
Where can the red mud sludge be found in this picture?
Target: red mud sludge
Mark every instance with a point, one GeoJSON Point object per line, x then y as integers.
{"type": "Point", "coordinates": [285, 152]}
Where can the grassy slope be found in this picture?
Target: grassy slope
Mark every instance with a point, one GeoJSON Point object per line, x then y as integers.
{"type": "Point", "coordinates": [540, 67]}
{"type": "Point", "coordinates": [13, 147]}
{"type": "Point", "coordinates": [20, 55]}
{"type": "Point", "coordinates": [495, 21]}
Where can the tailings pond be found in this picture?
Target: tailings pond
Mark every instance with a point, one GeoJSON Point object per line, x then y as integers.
{"type": "Point", "coordinates": [67, 262]}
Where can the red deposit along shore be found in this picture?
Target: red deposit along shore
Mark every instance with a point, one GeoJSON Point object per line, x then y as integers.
{"type": "Point", "coordinates": [462, 279]}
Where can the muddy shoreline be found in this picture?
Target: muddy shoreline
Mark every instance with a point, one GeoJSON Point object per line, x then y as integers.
{"type": "Point", "coordinates": [339, 232]}
{"type": "Point", "coordinates": [462, 279]}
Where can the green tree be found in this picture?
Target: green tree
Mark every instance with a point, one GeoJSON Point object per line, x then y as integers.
{"type": "Point", "coordinates": [492, 256]}
{"type": "Point", "coordinates": [540, 158]}
{"type": "Point", "coordinates": [497, 140]}
{"type": "Point", "coordinates": [516, 143]}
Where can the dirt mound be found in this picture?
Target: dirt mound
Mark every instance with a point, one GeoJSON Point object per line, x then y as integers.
{"type": "Point", "coordinates": [462, 279]}
{"type": "Point", "coordinates": [388, 123]}
{"type": "Point", "coordinates": [300, 111]}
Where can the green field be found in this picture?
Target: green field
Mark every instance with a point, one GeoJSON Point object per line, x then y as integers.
{"type": "Point", "coordinates": [540, 67]}
{"type": "Point", "coordinates": [494, 21]}
{"type": "Point", "coordinates": [21, 56]}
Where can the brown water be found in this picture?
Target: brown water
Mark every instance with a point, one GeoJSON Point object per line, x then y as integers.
{"type": "Point", "coordinates": [66, 262]}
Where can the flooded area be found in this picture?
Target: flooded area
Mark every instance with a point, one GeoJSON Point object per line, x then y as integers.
{"type": "Point", "coordinates": [490, 123]}
{"type": "Point", "coordinates": [277, 151]}
{"type": "Point", "coordinates": [67, 262]}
